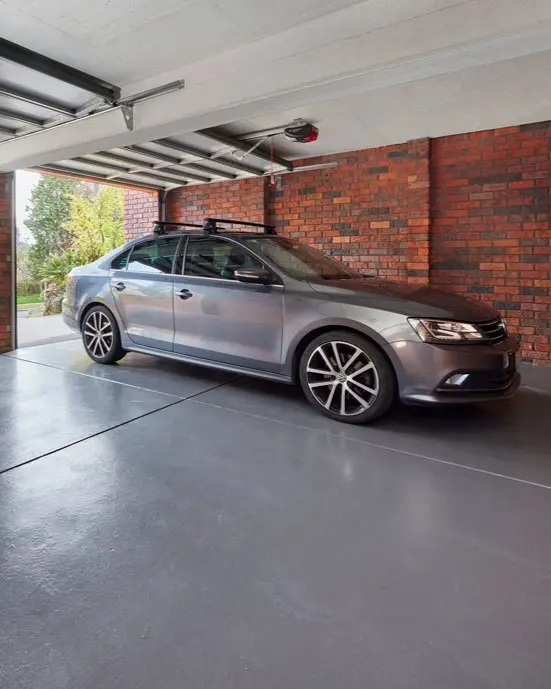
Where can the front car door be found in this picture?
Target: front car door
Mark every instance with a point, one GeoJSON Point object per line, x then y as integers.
{"type": "Point", "coordinates": [142, 288]}
{"type": "Point", "coordinates": [216, 317]}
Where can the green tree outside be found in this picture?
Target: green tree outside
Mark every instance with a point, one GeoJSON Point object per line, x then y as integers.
{"type": "Point", "coordinates": [72, 223]}
{"type": "Point", "coordinates": [49, 211]}
{"type": "Point", "coordinates": [93, 228]}
{"type": "Point", "coordinates": [95, 224]}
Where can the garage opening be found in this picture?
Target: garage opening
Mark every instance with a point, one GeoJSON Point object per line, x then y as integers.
{"type": "Point", "coordinates": [61, 222]}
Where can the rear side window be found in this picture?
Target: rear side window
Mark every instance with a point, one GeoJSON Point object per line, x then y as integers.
{"type": "Point", "coordinates": [215, 258]}
{"type": "Point", "coordinates": [121, 261]}
{"type": "Point", "coordinates": [154, 256]}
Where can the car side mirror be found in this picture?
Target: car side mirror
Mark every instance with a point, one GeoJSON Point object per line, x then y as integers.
{"type": "Point", "coordinates": [258, 277]}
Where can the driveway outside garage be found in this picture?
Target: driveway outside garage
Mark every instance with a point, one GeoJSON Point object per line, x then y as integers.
{"type": "Point", "coordinates": [168, 526]}
{"type": "Point", "coordinates": [36, 330]}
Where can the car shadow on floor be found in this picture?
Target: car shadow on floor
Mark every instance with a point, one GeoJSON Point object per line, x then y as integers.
{"type": "Point", "coordinates": [507, 435]}
{"type": "Point", "coordinates": [522, 423]}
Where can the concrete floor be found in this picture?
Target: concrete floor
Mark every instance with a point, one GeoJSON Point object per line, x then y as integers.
{"type": "Point", "coordinates": [164, 527]}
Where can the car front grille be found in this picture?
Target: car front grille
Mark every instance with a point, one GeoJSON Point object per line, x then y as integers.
{"type": "Point", "coordinates": [494, 330]}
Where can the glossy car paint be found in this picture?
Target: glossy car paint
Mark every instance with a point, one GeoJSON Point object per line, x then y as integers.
{"type": "Point", "coordinates": [145, 306]}
{"type": "Point", "coordinates": [260, 330]}
{"type": "Point", "coordinates": [229, 321]}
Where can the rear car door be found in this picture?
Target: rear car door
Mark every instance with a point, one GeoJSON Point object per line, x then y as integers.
{"type": "Point", "coordinates": [217, 317]}
{"type": "Point", "coordinates": [142, 289]}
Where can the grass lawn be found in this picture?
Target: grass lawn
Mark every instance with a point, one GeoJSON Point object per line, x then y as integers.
{"type": "Point", "coordinates": [31, 299]}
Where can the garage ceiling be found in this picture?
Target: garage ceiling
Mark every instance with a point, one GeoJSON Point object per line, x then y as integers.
{"type": "Point", "coordinates": [38, 93]}
{"type": "Point", "coordinates": [197, 158]}
{"type": "Point", "coordinates": [169, 33]}
{"type": "Point", "coordinates": [367, 73]}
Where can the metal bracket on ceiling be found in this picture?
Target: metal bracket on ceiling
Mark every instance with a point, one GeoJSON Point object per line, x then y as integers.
{"type": "Point", "coordinates": [152, 93]}
{"type": "Point", "coordinates": [235, 144]}
{"type": "Point", "coordinates": [128, 114]}
{"type": "Point", "coordinates": [251, 150]}
{"type": "Point", "coordinates": [127, 104]}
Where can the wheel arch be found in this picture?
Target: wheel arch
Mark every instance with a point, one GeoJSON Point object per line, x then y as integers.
{"type": "Point", "coordinates": [302, 342]}
{"type": "Point", "coordinates": [88, 308]}
{"type": "Point", "coordinates": [98, 301]}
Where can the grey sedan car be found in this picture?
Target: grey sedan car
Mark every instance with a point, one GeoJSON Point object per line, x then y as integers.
{"type": "Point", "coordinates": [258, 304]}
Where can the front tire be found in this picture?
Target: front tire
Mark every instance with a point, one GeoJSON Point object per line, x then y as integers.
{"type": "Point", "coordinates": [101, 336]}
{"type": "Point", "coordinates": [347, 378]}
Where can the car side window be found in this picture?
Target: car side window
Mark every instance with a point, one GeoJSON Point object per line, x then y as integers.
{"type": "Point", "coordinates": [208, 257]}
{"type": "Point", "coordinates": [154, 256]}
{"type": "Point", "coordinates": [121, 261]}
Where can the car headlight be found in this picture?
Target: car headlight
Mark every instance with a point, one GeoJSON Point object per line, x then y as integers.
{"type": "Point", "coordinates": [446, 332]}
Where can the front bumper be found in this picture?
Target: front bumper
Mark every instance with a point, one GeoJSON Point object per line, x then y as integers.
{"type": "Point", "coordinates": [486, 372]}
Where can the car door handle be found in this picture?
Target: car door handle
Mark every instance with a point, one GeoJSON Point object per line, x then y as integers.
{"type": "Point", "coordinates": [185, 294]}
{"type": "Point", "coordinates": [120, 286]}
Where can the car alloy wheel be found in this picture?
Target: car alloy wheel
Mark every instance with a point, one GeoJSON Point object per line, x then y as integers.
{"type": "Point", "coordinates": [98, 334]}
{"type": "Point", "coordinates": [346, 377]}
{"type": "Point", "coordinates": [342, 378]}
{"type": "Point", "coordinates": [101, 337]}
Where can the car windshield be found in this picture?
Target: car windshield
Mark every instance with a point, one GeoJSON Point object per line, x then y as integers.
{"type": "Point", "coordinates": [300, 261]}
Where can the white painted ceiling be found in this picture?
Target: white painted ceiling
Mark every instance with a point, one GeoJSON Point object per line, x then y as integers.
{"type": "Point", "coordinates": [125, 41]}
{"type": "Point", "coordinates": [485, 97]}
{"type": "Point", "coordinates": [367, 73]}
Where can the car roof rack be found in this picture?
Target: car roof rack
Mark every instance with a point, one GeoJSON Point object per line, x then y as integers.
{"type": "Point", "coordinates": [163, 226]}
{"type": "Point", "coordinates": [210, 225]}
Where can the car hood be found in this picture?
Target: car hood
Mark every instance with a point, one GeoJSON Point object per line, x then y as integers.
{"type": "Point", "coordinates": [410, 300]}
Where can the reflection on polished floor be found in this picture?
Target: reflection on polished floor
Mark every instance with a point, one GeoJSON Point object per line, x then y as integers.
{"type": "Point", "coordinates": [167, 526]}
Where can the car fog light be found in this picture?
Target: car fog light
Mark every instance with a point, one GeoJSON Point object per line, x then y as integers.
{"type": "Point", "coordinates": [457, 379]}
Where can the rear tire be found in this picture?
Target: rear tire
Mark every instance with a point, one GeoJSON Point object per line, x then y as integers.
{"type": "Point", "coordinates": [347, 378]}
{"type": "Point", "coordinates": [101, 336]}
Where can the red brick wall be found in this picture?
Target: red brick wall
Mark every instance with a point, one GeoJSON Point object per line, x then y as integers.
{"type": "Point", "coordinates": [6, 230]}
{"type": "Point", "coordinates": [141, 209]}
{"type": "Point", "coordinates": [478, 203]}
{"type": "Point", "coordinates": [371, 211]}
{"type": "Point", "coordinates": [243, 199]}
{"type": "Point", "coordinates": [491, 232]}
